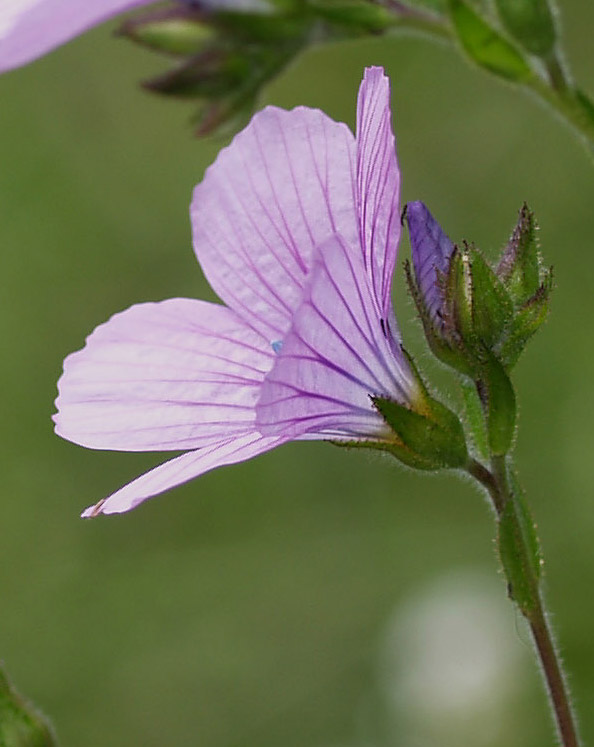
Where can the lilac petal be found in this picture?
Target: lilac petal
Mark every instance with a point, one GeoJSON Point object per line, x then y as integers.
{"type": "Point", "coordinates": [334, 358]}
{"type": "Point", "coordinates": [182, 469]}
{"type": "Point", "coordinates": [431, 252]}
{"type": "Point", "coordinates": [283, 186]}
{"type": "Point", "coordinates": [173, 375]}
{"type": "Point", "coordinates": [378, 184]}
{"type": "Point", "coordinates": [30, 28]}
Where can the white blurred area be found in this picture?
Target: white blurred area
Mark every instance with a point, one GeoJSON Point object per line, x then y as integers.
{"type": "Point", "coordinates": [455, 662]}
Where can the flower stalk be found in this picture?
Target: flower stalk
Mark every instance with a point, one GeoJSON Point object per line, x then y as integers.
{"type": "Point", "coordinates": [521, 562]}
{"type": "Point", "coordinates": [477, 319]}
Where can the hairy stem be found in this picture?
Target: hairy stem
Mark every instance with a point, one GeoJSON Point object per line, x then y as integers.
{"type": "Point", "coordinates": [555, 679]}
{"type": "Point", "coordinates": [506, 499]}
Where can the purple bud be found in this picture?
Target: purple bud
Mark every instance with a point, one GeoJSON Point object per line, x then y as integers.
{"type": "Point", "coordinates": [431, 252]}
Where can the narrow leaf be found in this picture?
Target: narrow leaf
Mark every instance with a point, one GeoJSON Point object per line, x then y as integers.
{"type": "Point", "coordinates": [475, 419]}
{"type": "Point", "coordinates": [519, 551]}
{"type": "Point", "coordinates": [485, 45]}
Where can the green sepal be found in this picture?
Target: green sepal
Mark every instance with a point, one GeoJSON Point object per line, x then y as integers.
{"type": "Point", "coordinates": [520, 265]}
{"type": "Point", "coordinates": [443, 341]}
{"type": "Point", "coordinates": [519, 551]}
{"type": "Point", "coordinates": [499, 404]}
{"type": "Point", "coordinates": [458, 296]}
{"type": "Point", "coordinates": [395, 449]}
{"type": "Point", "coordinates": [213, 73]}
{"type": "Point", "coordinates": [526, 321]}
{"type": "Point", "coordinates": [530, 23]}
{"type": "Point", "coordinates": [430, 442]}
{"type": "Point", "coordinates": [477, 306]}
{"type": "Point", "coordinates": [485, 45]}
{"type": "Point", "coordinates": [428, 437]}
{"type": "Point", "coordinates": [492, 307]}
{"type": "Point", "coordinates": [21, 725]}
{"type": "Point", "coordinates": [268, 28]}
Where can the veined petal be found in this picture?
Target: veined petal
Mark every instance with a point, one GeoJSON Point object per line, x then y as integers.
{"type": "Point", "coordinates": [378, 184]}
{"type": "Point", "coordinates": [284, 185]}
{"type": "Point", "coordinates": [182, 469]}
{"type": "Point", "coordinates": [171, 375]}
{"type": "Point", "coordinates": [431, 252]}
{"type": "Point", "coordinates": [337, 354]}
{"type": "Point", "coordinates": [30, 28]}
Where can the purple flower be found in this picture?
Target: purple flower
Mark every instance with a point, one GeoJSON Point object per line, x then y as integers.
{"type": "Point", "coordinates": [296, 226]}
{"type": "Point", "coordinates": [30, 28]}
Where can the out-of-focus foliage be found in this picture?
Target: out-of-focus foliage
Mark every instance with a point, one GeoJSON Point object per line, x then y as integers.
{"type": "Point", "coordinates": [20, 724]}
{"type": "Point", "coordinates": [275, 602]}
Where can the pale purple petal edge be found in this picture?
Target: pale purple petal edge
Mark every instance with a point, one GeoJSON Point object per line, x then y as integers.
{"type": "Point", "coordinates": [29, 30]}
{"type": "Point", "coordinates": [181, 470]}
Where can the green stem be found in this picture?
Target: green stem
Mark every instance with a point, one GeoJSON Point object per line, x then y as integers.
{"type": "Point", "coordinates": [566, 103]}
{"type": "Point", "coordinates": [524, 587]}
{"type": "Point", "coordinates": [556, 683]}
{"type": "Point", "coordinates": [556, 91]}
{"type": "Point", "coordinates": [556, 72]}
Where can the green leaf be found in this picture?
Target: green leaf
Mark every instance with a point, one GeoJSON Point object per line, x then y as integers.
{"type": "Point", "coordinates": [586, 105]}
{"type": "Point", "coordinates": [530, 23]}
{"type": "Point", "coordinates": [475, 419]}
{"type": "Point", "coordinates": [485, 45]}
{"type": "Point", "coordinates": [20, 723]}
{"type": "Point", "coordinates": [519, 550]}
{"type": "Point", "coordinates": [499, 401]}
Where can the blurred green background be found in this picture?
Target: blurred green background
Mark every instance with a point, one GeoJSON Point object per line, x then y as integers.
{"type": "Point", "coordinates": [313, 596]}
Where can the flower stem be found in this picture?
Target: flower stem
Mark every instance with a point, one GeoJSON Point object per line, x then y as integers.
{"type": "Point", "coordinates": [555, 680]}
{"type": "Point", "coordinates": [522, 565]}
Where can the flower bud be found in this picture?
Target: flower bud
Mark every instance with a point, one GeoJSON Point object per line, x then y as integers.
{"type": "Point", "coordinates": [175, 32]}
{"type": "Point", "coordinates": [432, 251]}
{"type": "Point", "coordinates": [469, 311]}
{"type": "Point", "coordinates": [212, 73]}
{"type": "Point", "coordinates": [529, 284]}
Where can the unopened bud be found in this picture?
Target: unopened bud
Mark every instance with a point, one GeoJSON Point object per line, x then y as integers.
{"type": "Point", "coordinates": [176, 32]}
{"type": "Point", "coordinates": [469, 311]}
